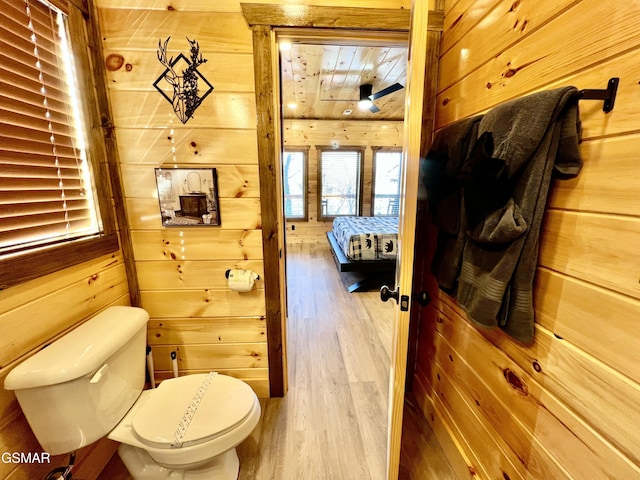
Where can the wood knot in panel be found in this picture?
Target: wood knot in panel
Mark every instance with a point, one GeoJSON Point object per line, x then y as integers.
{"type": "Point", "coordinates": [516, 382]}
{"type": "Point", "coordinates": [114, 62]}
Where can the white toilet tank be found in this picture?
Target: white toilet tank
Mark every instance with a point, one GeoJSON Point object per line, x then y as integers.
{"type": "Point", "coordinates": [77, 389]}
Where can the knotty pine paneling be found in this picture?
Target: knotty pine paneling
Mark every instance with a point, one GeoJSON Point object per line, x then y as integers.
{"type": "Point", "coordinates": [567, 405]}
{"type": "Point", "coordinates": [167, 147]}
{"type": "Point", "coordinates": [220, 110]}
{"type": "Point", "coordinates": [203, 303]}
{"type": "Point", "coordinates": [608, 181]}
{"type": "Point", "coordinates": [573, 310]}
{"type": "Point", "coordinates": [233, 6]}
{"type": "Point", "coordinates": [32, 324]}
{"type": "Point", "coordinates": [594, 247]}
{"type": "Point", "coordinates": [181, 271]}
{"type": "Point", "coordinates": [563, 52]}
{"type": "Point", "coordinates": [141, 29]}
{"type": "Point", "coordinates": [206, 243]}
{"type": "Point", "coordinates": [194, 357]}
{"type": "Point", "coordinates": [502, 23]}
{"type": "Point", "coordinates": [227, 72]}
{"type": "Point", "coordinates": [460, 17]}
{"type": "Point", "coordinates": [217, 330]}
{"type": "Point", "coordinates": [176, 274]}
{"type": "Point", "coordinates": [235, 214]}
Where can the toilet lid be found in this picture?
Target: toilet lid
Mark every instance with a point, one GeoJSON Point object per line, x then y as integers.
{"type": "Point", "coordinates": [192, 409]}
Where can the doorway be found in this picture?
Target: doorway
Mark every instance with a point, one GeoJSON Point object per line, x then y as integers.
{"type": "Point", "coordinates": [350, 334]}
{"type": "Point", "coordinates": [264, 20]}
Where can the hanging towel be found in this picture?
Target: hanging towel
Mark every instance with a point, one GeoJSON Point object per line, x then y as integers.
{"type": "Point", "coordinates": [439, 175]}
{"type": "Point", "coordinates": [523, 141]}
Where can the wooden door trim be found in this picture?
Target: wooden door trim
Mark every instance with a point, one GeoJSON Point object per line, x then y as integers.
{"type": "Point", "coordinates": [263, 19]}
{"type": "Point", "coordinates": [268, 161]}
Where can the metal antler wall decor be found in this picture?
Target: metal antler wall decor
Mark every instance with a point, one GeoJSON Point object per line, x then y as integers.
{"type": "Point", "coordinates": [182, 89]}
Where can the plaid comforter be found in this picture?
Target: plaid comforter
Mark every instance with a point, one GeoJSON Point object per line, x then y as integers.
{"type": "Point", "coordinates": [367, 238]}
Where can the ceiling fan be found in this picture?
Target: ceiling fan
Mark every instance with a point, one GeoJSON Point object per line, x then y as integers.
{"type": "Point", "coordinates": [367, 96]}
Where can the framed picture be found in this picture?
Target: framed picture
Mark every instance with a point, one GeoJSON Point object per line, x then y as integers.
{"type": "Point", "coordinates": [188, 196]}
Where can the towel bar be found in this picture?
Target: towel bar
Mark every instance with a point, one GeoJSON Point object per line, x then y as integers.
{"type": "Point", "coordinates": [608, 94]}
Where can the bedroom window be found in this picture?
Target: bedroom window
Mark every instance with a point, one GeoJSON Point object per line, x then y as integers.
{"type": "Point", "coordinates": [49, 214]}
{"type": "Point", "coordinates": [386, 182]}
{"type": "Point", "coordinates": [294, 185]}
{"type": "Point", "coordinates": [339, 182]}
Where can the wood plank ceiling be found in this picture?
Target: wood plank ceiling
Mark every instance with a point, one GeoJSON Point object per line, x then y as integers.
{"type": "Point", "coordinates": [323, 81]}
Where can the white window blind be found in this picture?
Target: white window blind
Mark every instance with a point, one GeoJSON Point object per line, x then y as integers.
{"type": "Point", "coordinates": [386, 182]}
{"type": "Point", "coordinates": [294, 184]}
{"type": "Point", "coordinates": [46, 194]}
{"type": "Point", "coordinates": [340, 182]}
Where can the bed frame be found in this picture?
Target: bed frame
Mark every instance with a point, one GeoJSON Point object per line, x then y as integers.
{"type": "Point", "coordinates": [375, 271]}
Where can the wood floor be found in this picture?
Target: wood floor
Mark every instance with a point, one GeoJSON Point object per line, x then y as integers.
{"type": "Point", "coordinates": [332, 423]}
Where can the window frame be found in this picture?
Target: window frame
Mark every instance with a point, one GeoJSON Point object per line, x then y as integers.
{"type": "Point", "coordinates": [377, 150]}
{"type": "Point", "coordinates": [305, 181]}
{"type": "Point", "coordinates": [360, 187]}
{"type": "Point", "coordinates": [28, 264]}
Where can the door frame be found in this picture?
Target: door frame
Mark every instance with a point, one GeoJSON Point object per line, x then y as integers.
{"type": "Point", "coordinates": [264, 20]}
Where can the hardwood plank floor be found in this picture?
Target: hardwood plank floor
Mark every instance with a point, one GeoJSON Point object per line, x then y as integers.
{"type": "Point", "coordinates": [332, 423]}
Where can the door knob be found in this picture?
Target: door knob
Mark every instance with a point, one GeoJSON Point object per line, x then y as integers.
{"type": "Point", "coordinates": [423, 298]}
{"type": "Point", "coordinates": [386, 293]}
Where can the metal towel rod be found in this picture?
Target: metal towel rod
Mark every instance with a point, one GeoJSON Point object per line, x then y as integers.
{"type": "Point", "coordinates": [608, 94]}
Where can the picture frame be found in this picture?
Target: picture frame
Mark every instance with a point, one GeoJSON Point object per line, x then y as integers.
{"type": "Point", "coordinates": [188, 197]}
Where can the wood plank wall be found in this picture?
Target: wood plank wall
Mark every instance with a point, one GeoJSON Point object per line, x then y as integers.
{"type": "Point", "coordinates": [181, 271]}
{"type": "Point", "coordinates": [309, 134]}
{"type": "Point", "coordinates": [567, 406]}
{"type": "Point", "coordinates": [36, 313]}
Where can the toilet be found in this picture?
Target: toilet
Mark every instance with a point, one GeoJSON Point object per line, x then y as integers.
{"type": "Point", "coordinates": [89, 384]}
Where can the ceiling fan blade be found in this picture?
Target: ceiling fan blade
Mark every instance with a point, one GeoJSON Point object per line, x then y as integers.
{"type": "Point", "coordinates": [386, 91]}
{"type": "Point", "coordinates": [373, 109]}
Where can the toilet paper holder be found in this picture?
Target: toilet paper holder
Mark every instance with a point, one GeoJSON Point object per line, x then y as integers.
{"type": "Point", "coordinates": [226, 275]}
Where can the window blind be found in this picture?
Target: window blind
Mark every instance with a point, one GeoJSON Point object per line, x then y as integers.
{"type": "Point", "coordinates": [294, 184]}
{"type": "Point", "coordinates": [386, 182]}
{"type": "Point", "coordinates": [340, 182]}
{"type": "Point", "coordinates": [45, 186]}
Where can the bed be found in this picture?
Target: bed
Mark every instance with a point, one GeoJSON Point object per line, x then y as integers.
{"type": "Point", "coordinates": [365, 245]}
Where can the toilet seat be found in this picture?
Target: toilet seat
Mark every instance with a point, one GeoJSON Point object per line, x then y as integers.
{"type": "Point", "coordinates": [190, 410]}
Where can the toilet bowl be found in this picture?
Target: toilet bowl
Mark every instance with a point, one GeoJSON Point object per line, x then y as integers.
{"type": "Point", "coordinates": [165, 428]}
{"type": "Point", "coordinates": [89, 384]}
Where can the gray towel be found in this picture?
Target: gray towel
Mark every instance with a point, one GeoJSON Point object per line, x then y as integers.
{"type": "Point", "coordinates": [439, 175]}
{"type": "Point", "coordinates": [532, 135]}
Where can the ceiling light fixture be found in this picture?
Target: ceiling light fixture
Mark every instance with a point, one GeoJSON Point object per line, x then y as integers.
{"type": "Point", "coordinates": [365, 104]}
